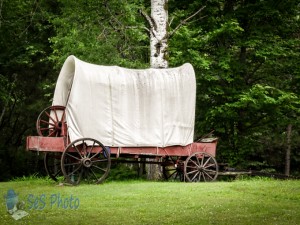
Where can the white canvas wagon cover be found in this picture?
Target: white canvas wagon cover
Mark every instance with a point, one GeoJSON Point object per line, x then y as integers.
{"type": "Point", "coordinates": [127, 107]}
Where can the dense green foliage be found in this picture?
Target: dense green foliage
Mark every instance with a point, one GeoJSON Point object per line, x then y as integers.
{"type": "Point", "coordinates": [245, 54]}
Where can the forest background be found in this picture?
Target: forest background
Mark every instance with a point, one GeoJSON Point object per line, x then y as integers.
{"type": "Point", "coordinates": [245, 54]}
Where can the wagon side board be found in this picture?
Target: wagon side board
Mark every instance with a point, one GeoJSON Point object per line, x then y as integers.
{"type": "Point", "coordinates": [58, 144]}
{"type": "Point", "coordinates": [45, 144]}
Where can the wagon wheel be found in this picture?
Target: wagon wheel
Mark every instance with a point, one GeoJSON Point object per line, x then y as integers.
{"type": "Point", "coordinates": [53, 165]}
{"type": "Point", "coordinates": [173, 168]}
{"type": "Point", "coordinates": [200, 166]}
{"type": "Point", "coordinates": [85, 158]}
{"type": "Point", "coordinates": [50, 121]}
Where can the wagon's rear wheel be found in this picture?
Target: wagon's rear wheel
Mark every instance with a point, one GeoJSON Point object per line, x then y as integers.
{"type": "Point", "coordinates": [173, 168]}
{"type": "Point", "coordinates": [50, 121]}
{"type": "Point", "coordinates": [53, 165]}
{"type": "Point", "coordinates": [85, 158]}
{"type": "Point", "coordinates": [200, 166]}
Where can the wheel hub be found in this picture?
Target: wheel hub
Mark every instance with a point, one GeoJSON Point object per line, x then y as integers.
{"type": "Point", "coordinates": [87, 162]}
{"type": "Point", "coordinates": [58, 125]}
{"type": "Point", "coordinates": [200, 169]}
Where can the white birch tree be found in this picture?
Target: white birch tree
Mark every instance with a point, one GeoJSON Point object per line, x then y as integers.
{"type": "Point", "coordinates": [159, 35]}
{"type": "Point", "coordinates": [158, 23]}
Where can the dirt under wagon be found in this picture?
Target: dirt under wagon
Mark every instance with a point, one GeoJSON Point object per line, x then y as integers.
{"type": "Point", "coordinates": [101, 114]}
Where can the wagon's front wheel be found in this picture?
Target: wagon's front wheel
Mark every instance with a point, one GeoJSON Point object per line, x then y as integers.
{"type": "Point", "coordinates": [200, 166]}
{"type": "Point", "coordinates": [85, 158]}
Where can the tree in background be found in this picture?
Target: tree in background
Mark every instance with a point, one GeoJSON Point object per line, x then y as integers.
{"type": "Point", "coordinates": [24, 32]}
{"type": "Point", "coordinates": [100, 32]}
{"type": "Point", "coordinates": [245, 54]}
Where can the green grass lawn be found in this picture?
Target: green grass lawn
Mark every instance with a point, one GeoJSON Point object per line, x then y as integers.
{"type": "Point", "coordinates": [255, 201]}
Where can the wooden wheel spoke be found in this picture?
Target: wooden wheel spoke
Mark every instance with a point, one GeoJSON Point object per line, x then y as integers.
{"type": "Point", "coordinates": [77, 150]}
{"type": "Point", "coordinates": [179, 176]}
{"type": "Point", "coordinates": [209, 171]}
{"type": "Point", "coordinates": [47, 122]}
{"type": "Point", "coordinates": [75, 170]}
{"type": "Point", "coordinates": [204, 172]}
{"type": "Point", "coordinates": [48, 128]}
{"type": "Point", "coordinates": [55, 113]}
{"type": "Point", "coordinates": [100, 160]}
{"type": "Point", "coordinates": [68, 154]}
{"type": "Point", "coordinates": [99, 168]}
{"type": "Point", "coordinates": [209, 165]}
{"type": "Point", "coordinates": [191, 172]}
{"type": "Point", "coordinates": [93, 173]}
{"type": "Point", "coordinates": [50, 117]}
{"type": "Point", "coordinates": [63, 115]}
{"type": "Point", "coordinates": [83, 150]}
{"type": "Point", "coordinates": [192, 167]}
{"type": "Point", "coordinates": [202, 159]}
{"type": "Point", "coordinates": [192, 161]}
{"type": "Point", "coordinates": [198, 162]}
{"type": "Point", "coordinates": [98, 153]}
{"type": "Point", "coordinates": [197, 172]}
{"type": "Point", "coordinates": [204, 179]}
{"type": "Point", "coordinates": [172, 173]}
{"type": "Point", "coordinates": [91, 149]}
{"type": "Point", "coordinates": [53, 132]}
{"type": "Point", "coordinates": [206, 161]}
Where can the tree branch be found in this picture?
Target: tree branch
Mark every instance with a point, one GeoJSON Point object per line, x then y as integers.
{"type": "Point", "coordinates": [152, 24]}
{"type": "Point", "coordinates": [185, 21]}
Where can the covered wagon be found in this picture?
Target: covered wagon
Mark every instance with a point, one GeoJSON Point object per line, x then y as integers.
{"type": "Point", "coordinates": [102, 113]}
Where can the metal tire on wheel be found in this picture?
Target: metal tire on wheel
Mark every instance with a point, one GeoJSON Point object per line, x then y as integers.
{"type": "Point", "coordinates": [200, 166]}
{"type": "Point", "coordinates": [173, 168]}
{"type": "Point", "coordinates": [85, 158]}
{"type": "Point", "coordinates": [53, 165]}
{"type": "Point", "coordinates": [50, 121]}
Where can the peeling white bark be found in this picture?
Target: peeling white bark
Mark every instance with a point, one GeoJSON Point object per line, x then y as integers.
{"type": "Point", "coordinates": [159, 34]}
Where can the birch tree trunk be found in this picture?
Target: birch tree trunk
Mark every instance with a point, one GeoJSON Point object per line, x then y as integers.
{"type": "Point", "coordinates": [158, 22]}
{"type": "Point", "coordinates": [158, 55]}
{"type": "Point", "coordinates": [159, 34]}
